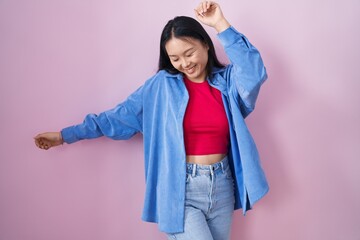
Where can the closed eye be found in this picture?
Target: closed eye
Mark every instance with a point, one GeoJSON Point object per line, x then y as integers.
{"type": "Point", "coordinates": [190, 54]}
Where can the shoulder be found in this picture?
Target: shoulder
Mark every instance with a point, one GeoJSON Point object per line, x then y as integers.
{"type": "Point", "coordinates": [224, 72]}
{"type": "Point", "coordinates": [160, 83]}
{"type": "Point", "coordinates": [223, 77]}
{"type": "Point", "coordinates": [160, 75]}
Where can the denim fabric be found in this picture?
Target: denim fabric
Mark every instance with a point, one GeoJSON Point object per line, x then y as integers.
{"type": "Point", "coordinates": [209, 202]}
{"type": "Point", "coordinates": [157, 111]}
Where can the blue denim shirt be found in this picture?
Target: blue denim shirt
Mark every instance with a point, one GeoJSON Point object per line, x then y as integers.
{"type": "Point", "coordinates": [157, 109]}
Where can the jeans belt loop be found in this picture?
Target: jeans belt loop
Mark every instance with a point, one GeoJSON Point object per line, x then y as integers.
{"type": "Point", "coordinates": [193, 170]}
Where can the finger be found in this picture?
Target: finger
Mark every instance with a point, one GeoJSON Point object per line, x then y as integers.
{"type": "Point", "coordinates": [39, 142]}
{"type": "Point", "coordinates": [199, 9]}
{"type": "Point", "coordinates": [213, 5]}
{"type": "Point", "coordinates": [37, 136]}
{"type": "Point", "coordinates": [198, 13]}
{"type": "Point", "coordinates": [42, 143]}
{"type": "Point", "coordinates": [208, 4]}
{"type": "Point", "coordinates": [36, 143]}
{"type": "Point", "coordinates": [203, 6]}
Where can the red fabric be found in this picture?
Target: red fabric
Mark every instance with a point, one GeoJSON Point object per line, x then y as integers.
{"type": "Point", "coordinates": [206, 128]}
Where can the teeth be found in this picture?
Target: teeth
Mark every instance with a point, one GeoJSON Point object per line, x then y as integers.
{"type": "Point", "coordinates": [190, 70]}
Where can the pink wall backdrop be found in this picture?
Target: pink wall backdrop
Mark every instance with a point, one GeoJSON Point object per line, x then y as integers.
{"type": "Point", "coordinates": [60, 60]}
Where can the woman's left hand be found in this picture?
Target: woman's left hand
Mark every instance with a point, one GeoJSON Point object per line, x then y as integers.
{"type": "Point", "coordinates": [209, 13]}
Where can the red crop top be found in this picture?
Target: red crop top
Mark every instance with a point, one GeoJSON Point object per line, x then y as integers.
{"type": "Point", "coordinates": [206, 128]}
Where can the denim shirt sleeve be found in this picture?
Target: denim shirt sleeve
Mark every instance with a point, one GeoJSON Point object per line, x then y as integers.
{"type": "Point", "coordinates": [246, 71]}
{"type": "Point", "coordinates": [121, 122]}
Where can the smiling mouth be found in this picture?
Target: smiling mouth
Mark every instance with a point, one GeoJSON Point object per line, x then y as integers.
{"type": "Point", "coordinates": [190, 70]}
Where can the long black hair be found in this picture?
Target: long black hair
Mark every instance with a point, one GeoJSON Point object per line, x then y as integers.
{"type": "Point", "coordinates": [183, 26]}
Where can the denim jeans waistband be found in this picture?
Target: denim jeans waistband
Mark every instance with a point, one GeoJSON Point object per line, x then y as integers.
{"type": "Point", "coordinates": [193, 168]}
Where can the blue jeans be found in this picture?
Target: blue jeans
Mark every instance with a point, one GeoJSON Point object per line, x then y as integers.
{"type": "Point", "coordinates": [209, 202]}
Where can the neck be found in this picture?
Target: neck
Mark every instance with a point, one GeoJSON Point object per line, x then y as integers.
{"type": "Point", "coordinates": [196, 80]}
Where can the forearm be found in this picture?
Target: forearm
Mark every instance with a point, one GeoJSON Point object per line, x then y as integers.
{"type": "Point", "coordinates": [222, 25]}
{"type": "Point", "coordinates": [247, 71]}
{"type": "Point", "coordinates": [242, 54]}
{"type": "Point", "coordinates": [87, 130]}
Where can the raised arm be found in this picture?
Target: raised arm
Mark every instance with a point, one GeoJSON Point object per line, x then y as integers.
{"type": "Point", "coordinates": [246, 71]}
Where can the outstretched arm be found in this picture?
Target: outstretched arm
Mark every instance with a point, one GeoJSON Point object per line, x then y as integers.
{"type": "Point", "coordinates": [121, 122]}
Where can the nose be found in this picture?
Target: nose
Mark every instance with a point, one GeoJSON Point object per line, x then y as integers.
{"type": "Point", "coordinates": [185, 63]}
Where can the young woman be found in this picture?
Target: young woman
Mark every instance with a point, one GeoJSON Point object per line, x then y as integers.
{"type": "Point", "coordinates": [201, 162]}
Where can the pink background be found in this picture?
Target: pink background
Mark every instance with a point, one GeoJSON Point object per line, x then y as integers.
{"type": "Point", "coordinates": [60, 60]}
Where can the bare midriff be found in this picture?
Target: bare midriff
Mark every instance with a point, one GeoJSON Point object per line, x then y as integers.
{"type": "Point", "coordinates": [205, 159]}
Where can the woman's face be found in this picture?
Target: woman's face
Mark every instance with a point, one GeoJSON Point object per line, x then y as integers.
{"type": "Point", "coordinates": [189, 56]}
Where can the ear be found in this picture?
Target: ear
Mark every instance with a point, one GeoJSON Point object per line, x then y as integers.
{"type": "Point", "coordinates": [206, 46]}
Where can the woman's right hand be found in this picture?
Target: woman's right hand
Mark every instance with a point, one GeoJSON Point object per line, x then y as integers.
{"type": "Point", "coordinates": [49, 139]}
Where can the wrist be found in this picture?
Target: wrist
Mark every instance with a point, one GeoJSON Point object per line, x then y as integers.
{"type": "Point", "coordinates": [222, 25]}
{"type": "Point", "coordinates": [61, 138]}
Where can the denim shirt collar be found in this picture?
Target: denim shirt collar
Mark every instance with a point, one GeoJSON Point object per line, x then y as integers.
{"type": "Point", "coordinates": [217, 81]}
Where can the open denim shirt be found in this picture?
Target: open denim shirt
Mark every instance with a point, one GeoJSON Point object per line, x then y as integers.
{"type": "Point", "coordinates": [157, 109]}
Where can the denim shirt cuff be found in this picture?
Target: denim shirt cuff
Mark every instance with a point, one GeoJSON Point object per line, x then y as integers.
{"type": "Point", "coordinates": [68, 135]}
{"type": "Point", "coordinates": [229, 36]}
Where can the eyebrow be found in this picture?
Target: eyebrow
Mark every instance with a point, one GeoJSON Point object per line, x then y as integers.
{"type": "Point", "coordinates": [192, 48]}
